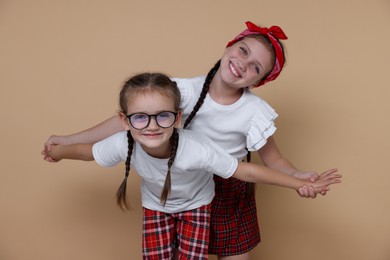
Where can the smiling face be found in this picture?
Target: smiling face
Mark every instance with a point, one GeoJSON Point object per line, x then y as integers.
{"type": "Point", "coordinates": [246, 62]}
{"type": "Point", "coordinates": [154, 139]}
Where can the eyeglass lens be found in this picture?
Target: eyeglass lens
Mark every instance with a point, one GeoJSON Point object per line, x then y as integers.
{"type": "Point", "coordinates": [141, 120]}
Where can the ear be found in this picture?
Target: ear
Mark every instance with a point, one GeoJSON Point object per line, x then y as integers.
{"type": "Point", "coordinates": [124, 121]}
{"type": "Point", "coordinates": [179, 118]}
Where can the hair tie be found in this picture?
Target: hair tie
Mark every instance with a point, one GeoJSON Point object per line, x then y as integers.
{"type": "Point", "coordinates": [274, 34]}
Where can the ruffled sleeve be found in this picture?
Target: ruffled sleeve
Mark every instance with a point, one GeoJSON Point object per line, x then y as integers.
{"type": "Point", "coordinates": [261, 126]}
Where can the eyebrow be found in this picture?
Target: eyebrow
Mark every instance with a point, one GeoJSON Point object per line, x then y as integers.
{"type": "Point", "coordinates": [249, 50]}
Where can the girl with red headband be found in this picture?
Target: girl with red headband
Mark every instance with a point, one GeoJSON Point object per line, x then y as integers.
{"type": "Point", "coordinates": [221, 106]}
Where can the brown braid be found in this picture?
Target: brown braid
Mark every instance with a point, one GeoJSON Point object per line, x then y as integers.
{"type": "Point", "coordinates": [121, 198]}
{"type": "Point", "coordinates": [167, 184]}
{"type": "Point", "coordinates": [250, 186]}
{"type": "Point", "coordinates": [203, 94]}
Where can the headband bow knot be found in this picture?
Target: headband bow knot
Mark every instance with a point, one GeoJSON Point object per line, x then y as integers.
{"type": "Point", "coordinates": [274, 34]}
{"type": "Point", "coordinates": [274, 30]}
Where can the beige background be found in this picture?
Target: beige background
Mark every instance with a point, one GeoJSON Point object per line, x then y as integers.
{"type": "Point", "coordinates": [62, 64]}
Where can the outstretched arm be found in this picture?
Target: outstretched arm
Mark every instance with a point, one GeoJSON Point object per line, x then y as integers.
{"type": "Point", "coordinates": [71, 151]}
{"type": "Point", "coordinates": [94, 134]}
{"type": "Point", "coordinates": [257, 173]}
{"type": "Point", "coordinates": [91, 135]}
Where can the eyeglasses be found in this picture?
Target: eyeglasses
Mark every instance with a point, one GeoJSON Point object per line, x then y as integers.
{"type": "Point", "coordinates": [163, 119]}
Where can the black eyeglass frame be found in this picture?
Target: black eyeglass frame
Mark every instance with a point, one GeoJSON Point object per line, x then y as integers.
{"type": "Point", "coordinates": [155, 118]}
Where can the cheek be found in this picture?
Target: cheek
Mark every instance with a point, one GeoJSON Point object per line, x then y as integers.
{"type": "Point", "coordinates": [254, 78]}
{"type": "Point", "coordinates": [135, 133]}
{"type": "Point", "coordinates": [169, 131]}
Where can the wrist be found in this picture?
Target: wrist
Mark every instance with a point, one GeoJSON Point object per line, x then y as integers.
{"type": "Point", "coordinates": [295, 173]}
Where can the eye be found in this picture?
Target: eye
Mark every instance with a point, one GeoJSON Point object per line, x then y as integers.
{"type": "Point", "coordinates": [243, 51]}
{"type": "Point", "coordinates": [164, 115]}
{"type": "Point", "coordinates": [256, 68]}
{"type": "Point", "coordinates": [139, 117]}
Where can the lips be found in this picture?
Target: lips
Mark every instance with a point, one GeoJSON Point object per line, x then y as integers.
{"type": "Point", "coordinates": [234, 70]}
{"type": "Point", "coordinates": [152, 135]}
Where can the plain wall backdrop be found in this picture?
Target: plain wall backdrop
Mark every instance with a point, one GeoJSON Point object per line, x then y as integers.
{"type": "Point", "coordinates": [62, 64]}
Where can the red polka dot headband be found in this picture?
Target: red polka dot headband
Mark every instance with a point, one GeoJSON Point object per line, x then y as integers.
{"type": "Point", "coordinates": [274, 33]}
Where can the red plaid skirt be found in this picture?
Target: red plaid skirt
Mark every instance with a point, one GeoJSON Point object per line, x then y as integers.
{"type": "Point", "coordinates": [187, 231]}
{"type": "Point", "coordinates": [234, 227]}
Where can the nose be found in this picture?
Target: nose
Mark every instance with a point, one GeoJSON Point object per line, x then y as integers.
{"type": "Point", "coordinates": [242, 65]}
{"type": "Point", "coordinates": [153, 123]}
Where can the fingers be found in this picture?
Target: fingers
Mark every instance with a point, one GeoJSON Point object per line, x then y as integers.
{"type": "Point", "coordinates": [322, 190]}
{"type": "Point", "coordinates": [312, 192]}
{"type": "Point", "coordinates": [307, 192]}
{"type": "Point", "coordinates": [329, 175]}
{"type": "Point", "coordinates": [45, 153]}
{"type": "Point", "coordinates": [48, 147]}
{"type": "Point", "coordinates": [302, 191]}
{"type": "Point", "coordinates": [49, 159]}
{"type": "Point", "coordinates": [328, 172]}
{"type": "Point", "coordinates": [314, 178]}
{"type": "Point", "coordinates": [334, 181]}
{"type": "Point", "coordinates": [323, 187]}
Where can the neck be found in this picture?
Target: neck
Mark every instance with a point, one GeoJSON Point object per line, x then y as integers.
{"type": "Point", "coordinates": [162, 152]}
{"type": "Point", "coordinates": [222, 93]}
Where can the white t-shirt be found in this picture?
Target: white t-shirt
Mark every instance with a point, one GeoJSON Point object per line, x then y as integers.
{"type": "Point", "coordinates": [246, 123]}
{"type": "Point", "coordinates": [192, 185]}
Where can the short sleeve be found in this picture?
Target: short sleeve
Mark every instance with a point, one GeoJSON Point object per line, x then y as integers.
{"type": "Point", "coordinates": [204, 155]}
{"type": "Point", "coordinates": [261, 126]}
{"type": "Point", "coordinates": [189, 91]}
{"type": "Point", "coordinates": [219, 161]}
{"type": "Point", "coordinates": [111, 151]}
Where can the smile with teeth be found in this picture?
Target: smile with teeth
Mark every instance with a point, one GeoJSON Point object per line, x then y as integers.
{"type": "Point", "coordinates": [234, 71]}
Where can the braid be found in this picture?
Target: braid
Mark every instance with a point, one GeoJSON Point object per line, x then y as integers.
{"type": "Point", "coordinates": [203, 94]}
{"type": "Point", "coordinates": [167, 184]}
{"type": "Point", "coordinates": [250, 186]}
{"type": "Point", "coordinates": [121, 199]}
{"type": "Point", "coordinates": [248, 155]}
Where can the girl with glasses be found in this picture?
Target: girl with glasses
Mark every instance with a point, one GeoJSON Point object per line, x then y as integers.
{"type": "Point", "coordinates": [222, 106]}
{"type": "Point", "coordinates": [176, 167]}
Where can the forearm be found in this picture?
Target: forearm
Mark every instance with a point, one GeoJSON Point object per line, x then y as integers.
{"type": "Point", "coordinates": [273, 159]}
{"type": "Point", "coordinates": [96, 133]}
{"type": "Point", "coordinates": [261, 174]}
{"type": "Point", "coordinates": [72, 151]}
{"type": "Point", "coordinates": [282, 165]}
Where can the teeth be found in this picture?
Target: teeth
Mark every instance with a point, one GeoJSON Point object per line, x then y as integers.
{"type": "Point", "coordinates": [233, 70]}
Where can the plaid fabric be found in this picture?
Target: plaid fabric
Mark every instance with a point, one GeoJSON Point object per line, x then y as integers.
{"type": "Point", "coordinates": [234, 227]}
{"type": "Point", "coordinates": [187, 231]}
